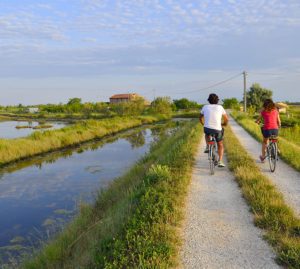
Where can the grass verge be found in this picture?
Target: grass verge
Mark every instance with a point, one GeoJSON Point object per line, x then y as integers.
{"type": "Point", "coordinates": [289, 151]}
{"type": "Point", "coordinates": [270, 211]}
{"type": "Point", "coordinates": [134, 222]}
{"type": "Point", "coordinates": [39, 142]}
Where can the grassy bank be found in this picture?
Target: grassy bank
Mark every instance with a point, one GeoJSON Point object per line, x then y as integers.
{"type": "Point", "coordinates": [134, 222]}
{"type": "Point", "coordinates": [40, 142]}
{"type": "Point", "coordinates": [289, 151]}
{"type": "Point", "coordinates": [270, 211]}
{"type": "Point", "coordinates": [51, 116]}
{"type": "Point", "coordinates": [75, 117]}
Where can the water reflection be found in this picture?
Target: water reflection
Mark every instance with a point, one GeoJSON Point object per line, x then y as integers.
{"type": "Point", "coordinates": [41, 193]}
{"type": "Point", "coordinates": [136, 139]}
{"type": "Point", "coordinates": [15, 129]}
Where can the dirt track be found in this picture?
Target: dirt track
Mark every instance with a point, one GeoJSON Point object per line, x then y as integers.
{"type": "Point", "coordinates": [219, 230]}
{"type": "Point", "coordinates": [285, 178]}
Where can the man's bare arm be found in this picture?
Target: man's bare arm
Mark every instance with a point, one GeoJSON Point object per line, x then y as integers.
{"type": "Point", "coordinates": [201, 118]}
{"type": "Point", "coordinates": [225, 117]}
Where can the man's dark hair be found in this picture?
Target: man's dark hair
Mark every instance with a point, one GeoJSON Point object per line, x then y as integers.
{"type": "Point", "coordinates": [213, 98]}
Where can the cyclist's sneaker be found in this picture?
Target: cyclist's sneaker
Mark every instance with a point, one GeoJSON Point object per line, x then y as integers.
{"type": "Point", "coordinates": [261, 159]}
{"type": "Point", "coordinates": [221, 164]}
{"type": "Point", "coordinates": [206, 150]}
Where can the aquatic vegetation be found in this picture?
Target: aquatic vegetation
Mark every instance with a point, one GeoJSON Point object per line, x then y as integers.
{"type": "Point", "coordinates": [39, 142]}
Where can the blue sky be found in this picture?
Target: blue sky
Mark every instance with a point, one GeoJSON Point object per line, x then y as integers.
{"type": "Point", "coordinates": [51, 51]}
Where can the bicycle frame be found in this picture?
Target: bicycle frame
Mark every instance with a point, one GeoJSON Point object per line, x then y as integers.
{"type": "Point", "coordinates": [212, 154]}
{"type": "Point", "coordinates": [272, 152]}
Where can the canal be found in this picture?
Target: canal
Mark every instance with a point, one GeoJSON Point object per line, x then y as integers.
{"type": "Point", "coordinates": [8, 129]}
{"type": "Point", "coordinates": [41, 194]}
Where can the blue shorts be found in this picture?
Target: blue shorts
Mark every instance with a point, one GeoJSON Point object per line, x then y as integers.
{"type": "Point", "coordinates": [218, 134]}
{"type": "Point", "coordinates": [267, 133]}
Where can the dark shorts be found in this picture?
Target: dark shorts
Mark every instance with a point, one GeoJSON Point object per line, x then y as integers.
{"type": "Point", "coordinates": [218, 134]}
{"type": "Point", "coordinates": [267, 133]}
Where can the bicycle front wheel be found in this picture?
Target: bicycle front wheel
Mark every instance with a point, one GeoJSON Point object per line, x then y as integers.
{"type": "Point", "coordinates": [272, 156]}
{"type": "Point", "coordinates": [211, 159]}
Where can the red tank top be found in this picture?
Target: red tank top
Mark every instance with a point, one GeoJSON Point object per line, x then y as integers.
{"type": "Point", "coordinates": [270, 119]}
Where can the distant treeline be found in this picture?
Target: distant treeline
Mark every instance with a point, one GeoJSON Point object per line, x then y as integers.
{"type": "Point", "coordinates": [161, 105]}
{"type": "Point", "coordinates": [292, 103]}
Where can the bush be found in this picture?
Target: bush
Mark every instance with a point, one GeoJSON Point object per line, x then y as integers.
{"type": "Point", "coordinates": [161, 105]}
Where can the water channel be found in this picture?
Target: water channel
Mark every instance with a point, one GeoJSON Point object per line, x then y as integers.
{"type": "Point", "coordinates": [8, 129]}
{"type": "Point", "coordinates": [41, 193]}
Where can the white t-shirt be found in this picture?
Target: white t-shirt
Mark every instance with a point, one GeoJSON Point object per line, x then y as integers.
{"type": "Point", "coordinates": [213, 116]}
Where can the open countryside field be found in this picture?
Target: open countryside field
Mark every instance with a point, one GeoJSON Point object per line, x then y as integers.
{"type": "Point", "coordinates": [116, 147]}
{"type": "Point", "coordinates": [122, 246]}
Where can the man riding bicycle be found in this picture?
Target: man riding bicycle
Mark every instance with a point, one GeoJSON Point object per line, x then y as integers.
{"type": "Point", "coordinates": [211, 118]}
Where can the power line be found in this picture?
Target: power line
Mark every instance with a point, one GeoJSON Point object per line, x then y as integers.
{"type": "Point", "coordinates": [266, 73]}
{"type": "Point", "coordinates": [211, 86]}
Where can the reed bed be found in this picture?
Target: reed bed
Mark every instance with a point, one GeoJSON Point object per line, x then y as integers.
{"type": "Point", "coordinates": [42, 126]}
{"type": "Point", "coordinates": [39, 142]}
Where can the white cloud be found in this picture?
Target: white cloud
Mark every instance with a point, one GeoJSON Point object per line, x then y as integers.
{"type": "Point", "coordinates": [90, 40]}
{"type": "Point", "coordinates": [44, 6]}
{"type": "Point", "coordinates": [145, 35]}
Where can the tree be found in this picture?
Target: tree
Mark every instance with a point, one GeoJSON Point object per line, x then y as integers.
{"type": "Point", "coordinates": [73, 101]}
{"type": "Point", "coordinates": [184, 103]}
{"type": "Point", "coordinates": [257, 95]}
{"type": "Point", "coordinates": [230, 103]}
{"type": "Point", "coordinates": [162, 105]}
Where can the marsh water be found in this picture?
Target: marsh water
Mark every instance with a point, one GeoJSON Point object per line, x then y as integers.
{"type": "Point", "coordinates": [8, 129]}
{"type": "Point", "coordinates": [42, 193]}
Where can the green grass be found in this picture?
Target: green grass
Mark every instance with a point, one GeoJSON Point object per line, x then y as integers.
{"type": "Point", "coordinates": [289, 151]}
{"type": "Point", "coordinates": [291, 133]}
{"type": "Point", "coordinates": [42, 116]}
{"type": "Point", "coordinates": [42, 126]}
{"type": "Point", "coordinates": [134, 223]}
{"type": "Point", "coordinates": [270, 211]}
{"type": "Point", "coordinates": [39, 142]}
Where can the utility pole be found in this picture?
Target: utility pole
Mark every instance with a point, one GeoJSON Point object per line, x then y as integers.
{"type": "Point", "coordinates": [154, 94]}
{"type": "Point", "coordinates": [245, 93]}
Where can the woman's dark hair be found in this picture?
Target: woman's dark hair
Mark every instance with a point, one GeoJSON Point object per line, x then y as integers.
{"type": "Point", "coordinates": [269, 105]}
{"type": "Point", "coordinates": [213, 98]}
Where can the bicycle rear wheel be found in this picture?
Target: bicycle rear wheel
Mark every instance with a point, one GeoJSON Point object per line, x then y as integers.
{"type": "Point", "coordinates": [211, 159]}
{"type": "Point", "coordinates": [272, 156]}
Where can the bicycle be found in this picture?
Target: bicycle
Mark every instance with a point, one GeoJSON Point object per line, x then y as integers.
{"type": "Point", "coordinates": [272, 152]}
{"type": "Point", "coordinates": [212, 153]}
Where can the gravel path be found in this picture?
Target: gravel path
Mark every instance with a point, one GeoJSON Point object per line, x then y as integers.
{"type": "Point", "coordinates": [219, 230]}
{"type": "Point", "coordinates": [285, 178]}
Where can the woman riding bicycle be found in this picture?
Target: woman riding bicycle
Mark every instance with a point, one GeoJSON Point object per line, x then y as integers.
{"type": "Point", "coordinates": [271, 124]}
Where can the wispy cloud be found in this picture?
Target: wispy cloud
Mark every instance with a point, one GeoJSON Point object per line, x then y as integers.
{"type": "Point", "coordinates": [75, 38]}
